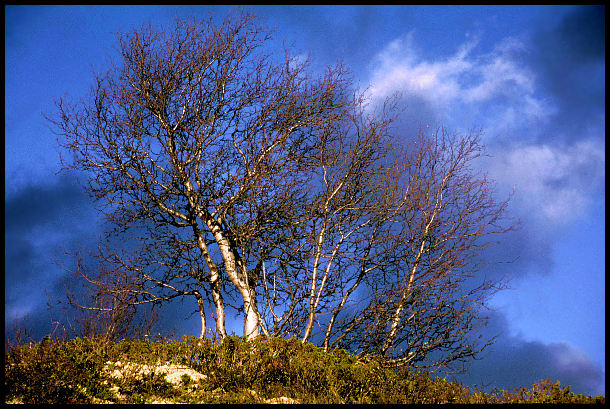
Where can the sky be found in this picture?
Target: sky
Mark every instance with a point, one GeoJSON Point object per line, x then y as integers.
{"type": "Point", "coordinates": [531, 77]}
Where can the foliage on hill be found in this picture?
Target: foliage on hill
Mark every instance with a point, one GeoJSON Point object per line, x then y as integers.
{"type": "Point", "coordinates": [265, 370]}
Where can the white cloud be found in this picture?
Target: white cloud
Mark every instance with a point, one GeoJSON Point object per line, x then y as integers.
{"type": "Point", "coordinates": [568, 356]}
{"type": "Point", "coordinates": [499, 93]}
{"type": "Point", "coordinates": [495, 76]}
{"type": "Point", "coordinates": [552, 182]}
{"type": "Point", "coordinates": [398, 69]}
{"type": "Point", "coordinates": [494, 88]}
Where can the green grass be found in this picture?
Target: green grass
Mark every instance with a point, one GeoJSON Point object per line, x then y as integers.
{"type": "Point", "coordinates": [236, 371]}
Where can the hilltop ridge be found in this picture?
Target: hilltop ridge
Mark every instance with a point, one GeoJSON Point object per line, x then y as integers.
{"type": "Point", "coordinates": [266, 370]}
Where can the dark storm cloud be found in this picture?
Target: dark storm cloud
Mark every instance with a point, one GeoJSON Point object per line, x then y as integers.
{"type": "Point", "coordinates": [514, 362]}
{"type": "Point", "coordinates": [19, 266]}
{"type": "Point", "coordinates": [35, 217]}
{"type": "Point", "coordinates": [583, 33]}
{"type": "Point", "coordinates": [569, 60]}
{"type": "Point", "coordinates": [41, 220]}
{"type": "Point", "coordinates": [41, 205]}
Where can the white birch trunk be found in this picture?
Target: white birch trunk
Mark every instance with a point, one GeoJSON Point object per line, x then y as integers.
{"type": "Point", "coordinates": [239, 279]}
{"type": "Point", "coordinates": [312, 292]}
{"type": "Point", "coordinates": [201, 313]}
{"type": "Point", "coordinates": [407, 293]}
{"type": "Point", "coordinates": [214, 284]}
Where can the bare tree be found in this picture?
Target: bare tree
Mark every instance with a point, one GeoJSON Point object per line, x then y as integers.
{"type": "Point", "coordinates": [422, 289]}
{"type": "Point", "coordinates": [200, 133]}
{"type": "Point", "coordinates": [248, 179]}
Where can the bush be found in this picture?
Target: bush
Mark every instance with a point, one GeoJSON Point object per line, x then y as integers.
{"type": "Point", "coordinates": [55, 372]}
{"type": "Point", "coordinates": [236, 371]}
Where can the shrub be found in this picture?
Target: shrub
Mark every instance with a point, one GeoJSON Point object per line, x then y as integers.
{"type": "Point", "coordinates": [55, 372]}
{"type": "Point", "coordinates": [237, 371]}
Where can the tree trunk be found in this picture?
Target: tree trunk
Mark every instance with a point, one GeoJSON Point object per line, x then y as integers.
{"type": "Point", "coordinates": [407, 292]}
{"type": "Point", "coordinates": [201, 313]}
{"type": "Point", "coordinates": [215, 283]}
{"type": "Point", "coordinates": [237, 274]}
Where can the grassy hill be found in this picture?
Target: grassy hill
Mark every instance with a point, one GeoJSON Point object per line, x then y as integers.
{"type": "Point", "coordinates": [267, 370]}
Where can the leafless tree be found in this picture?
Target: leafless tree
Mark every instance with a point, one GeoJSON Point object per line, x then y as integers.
{"type": "Point", "coordinates": [422, 291]}
{"type": "Point", "coordinates": [198, 131]}
{"type": "Point", "coordinates": [246, 178]}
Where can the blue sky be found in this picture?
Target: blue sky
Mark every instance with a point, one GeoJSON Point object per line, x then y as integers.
{"type": "Point", "coordinates": [532, 77]}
